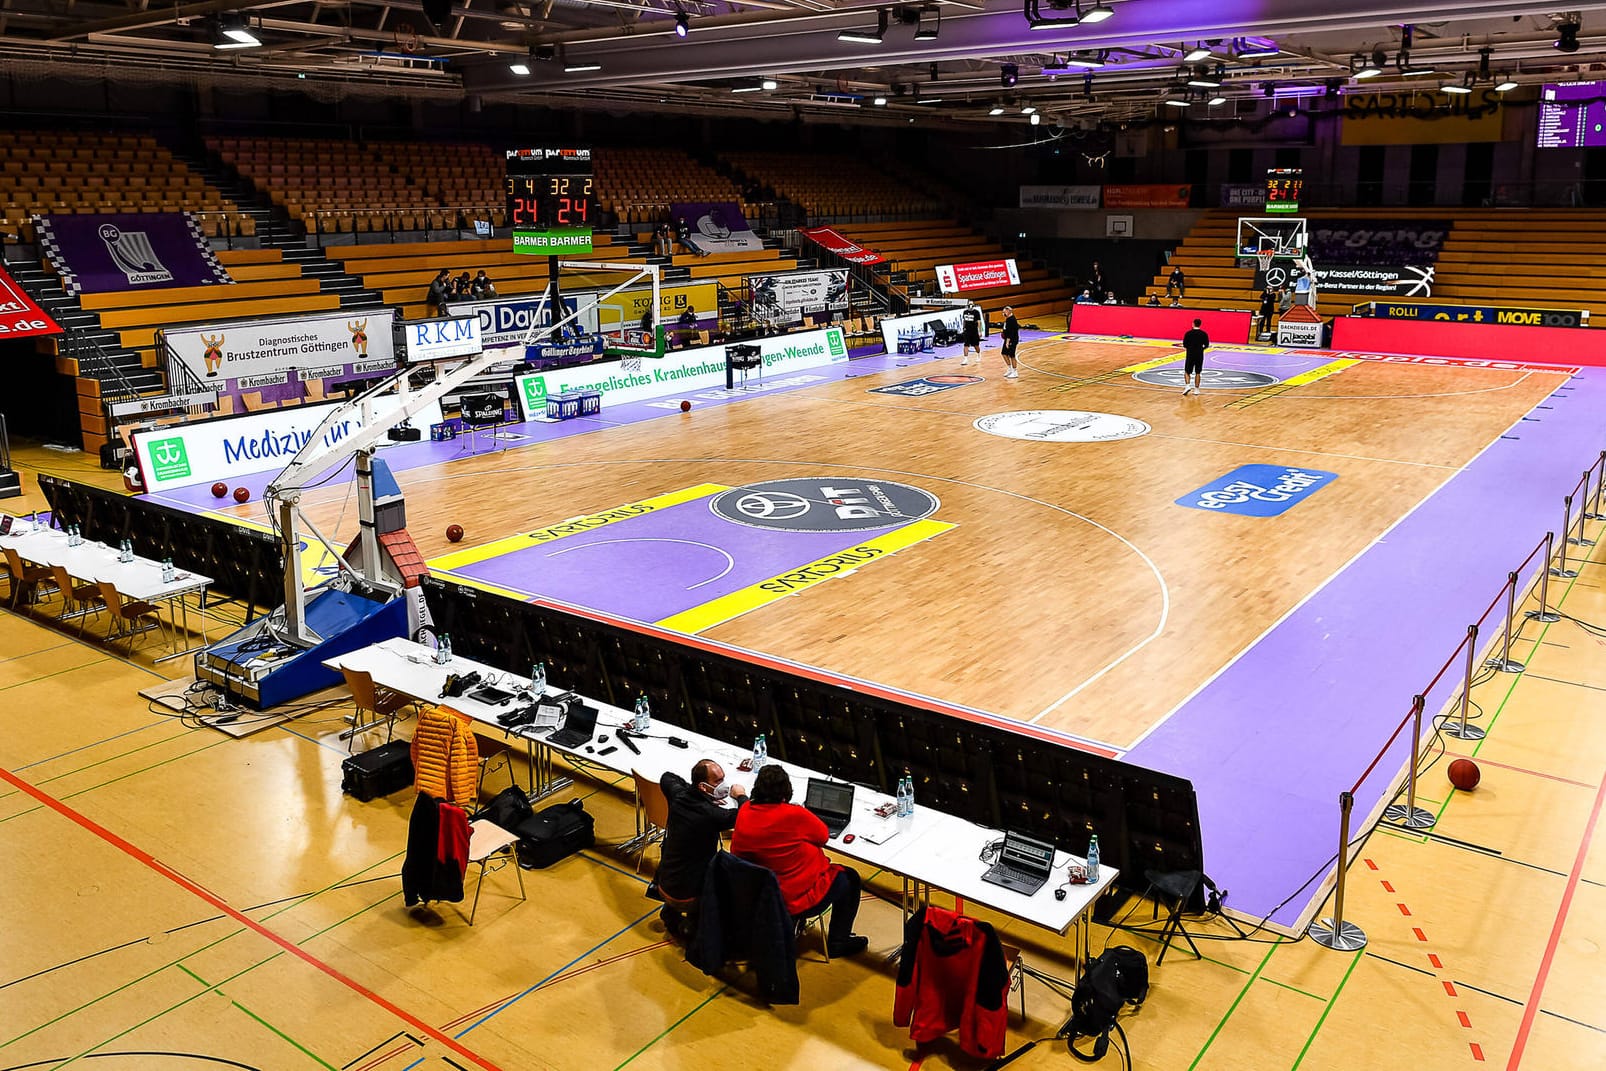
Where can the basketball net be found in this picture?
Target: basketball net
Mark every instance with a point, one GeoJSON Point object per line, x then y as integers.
{"type": "Point", "coordinates": [1264, 259]}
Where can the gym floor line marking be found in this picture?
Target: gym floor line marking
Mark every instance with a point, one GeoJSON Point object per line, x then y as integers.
{"type": "Point", "coordinates": [146, 859]}
{"type": "Point", "coordinates": [1277, 389]}
{"type": "Point", "coordinates": [1438, 965]}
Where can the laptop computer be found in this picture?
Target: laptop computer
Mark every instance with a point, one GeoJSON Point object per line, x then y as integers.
{"type": "Point", "coordinates": [578, 727]}
{"type": "Point", "coordinates": [831, 802]}
{"type": "Point", "coordinates": [1024, 864]}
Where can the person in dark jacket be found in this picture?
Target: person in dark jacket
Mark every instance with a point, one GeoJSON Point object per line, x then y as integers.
{"type": "Point", "coordinates": [697, 816]}
{"type": "Point", "coordinates": [1011, 336]}
{"type": "Point", "coordinates": [440, 291]}
{"type": "Point", "coordinates": [1176, 282]}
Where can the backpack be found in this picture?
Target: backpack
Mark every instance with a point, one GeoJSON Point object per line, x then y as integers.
{"type": "Point", "coordinates": [1118, 977]}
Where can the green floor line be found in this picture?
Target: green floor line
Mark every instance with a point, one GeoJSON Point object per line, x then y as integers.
{"type": "Point", "coordinates": [305, 898]}
{"type": "Point", "coordinates": [49, 676]}
{"type": "Point", "coordinates": [42, 650]}
{"type": "Point", "coordinates": [113, 758]}
{"type": "Point", "coordinates": [314, 1057]}
{"type": "Point", "coordinates": [1325, 1012]}
{"type": "Point", "coordinates": [192, 974]}
{"type": "Point", "coordinates": [341, 922]}
{"type": "Point", "coordinates": [672, 1026]}
{"type": "Point", "coordinates": [1235, 1002]}
{"type": "Point", "coordinates": [113, 992]}
{"type": "Point", "coordinates": [148, 769]}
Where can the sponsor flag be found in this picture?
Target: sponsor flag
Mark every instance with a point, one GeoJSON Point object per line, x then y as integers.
{"type": "Point", "coordinates": [125, 251]}
{"type": "Point", "coordinates": [978, 275]}
{"type": "Point", "coordinates": [20, 315]}
{"type": "Point", "coordinates": [845, 248]}
{"type": "Point", "coordinates": [717, 227]}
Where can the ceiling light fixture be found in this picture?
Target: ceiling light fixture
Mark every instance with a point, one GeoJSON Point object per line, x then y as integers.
{"type": "Point", "coordinates": [519, 68]}
{"type": "Point", "coordinates": [581, 68]}
{"type": "Point", "coordinates": [867, 37]}
{"type": "Point", "coordinates": [1567, 35]}
{"type": "Point", "coordinates": [756, 88]}
{"type": "Point", "coordinates": [1197, 53]}
{"type": "Point", "coordinates": [881, 102]}
{"type": "Point", "coordinates": [769, 83]}
{"type": "Point", "coordinates": [1008, 75]}
{"type": "Point", "coordinates": [997, 109]}
{"type": "Point", "coordinates": [1028, 110]}
{"type": "Point", "coordinates": [233, 31]}
{"type": "Point", "coordinates": [1216, 100]}
{"type": "Point", "coordinates": [1098, 14]}
{"type": "Point", "coordinates": [1036, 119]}
{"type": "Point", "coordinates": [931, 31]}
{"type": "Point", "coordinates": [682, 22]}
{"type": "Point", "coordinates": [1504, 84]}
{"type": "Point", "coordinates": [1455, 87]}
{"type": "Point", "coordinates": [1361, 66]}
{"type": "Point", "coordinates": [1256, 48]}
{"type": "Point", "coordinates": [1178, 101]}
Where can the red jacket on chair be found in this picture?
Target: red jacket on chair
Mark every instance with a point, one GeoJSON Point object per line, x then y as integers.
{"type": "Point", "coordinates": [952, 977]}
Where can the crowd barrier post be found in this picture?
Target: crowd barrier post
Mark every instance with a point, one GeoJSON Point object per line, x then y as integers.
{"type": "Point", "coordinates": [1580, 540]}
{"type": "Point", "coordinates": [1504, 664]}
{"type": "Point", "coordinates": [1460, 729]}
{"type": "Point", "coordinates": [1335, 933]}
{"type": "Point", "coordinates": [1545, 613]}
{"type": "Point", "coordinates": [1561, 569]}
{"type": "Point", "coordinates": [1409, 814]}
{"type": "Point", "coordinates": [1593, 511]}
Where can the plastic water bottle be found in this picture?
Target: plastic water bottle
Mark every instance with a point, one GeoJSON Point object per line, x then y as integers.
{"type": "Point", "coordinates": [167, 570]}
{"type": "Point", "coordinates": [1093, 859]}
{"type": "Point", "coordinates": [903, 797]}
{"type": "Point", "coordinates": [538, 679]}
{"type": "Point", "coordinates": [643, 719]}
{"type": "Point", "coordinates": [909, 797]}
{"type": "Point", "coordinates": [125, 552]}
{"type": "Point", "coordinates": [760, 753]}
{"type": "Point", "coordinates": [443, 651]}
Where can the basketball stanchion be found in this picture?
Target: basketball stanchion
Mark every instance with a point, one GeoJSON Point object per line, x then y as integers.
{"type": "Point", "coordinates": [1461, 730]}
{"type": "Point", "coordinates": [1545, 613]}
{"type": "Point", "coordinates": [1335, 933]}
{"type": "Point", "coordinates": [1561, 569]}
{"type": "Point", "coordinates": [1408, 814]}
{"type": "Point", "coordinates": [1504, 664]}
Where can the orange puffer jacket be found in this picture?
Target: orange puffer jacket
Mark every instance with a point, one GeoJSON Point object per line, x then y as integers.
{"type": "Point", "coordinates": [446, 758]}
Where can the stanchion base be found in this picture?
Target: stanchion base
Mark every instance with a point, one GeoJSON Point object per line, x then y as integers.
{"type": "Point", "coordinates": [1580, 541]}
{"type": "Point", "coordinates": [1348, 937]}
{"type": "Point", "coordinates": [1505, 665]}
{"type": "Point", "coordinates": [1410, 817]}
{"type": "Point", "coordinates": [1565, 574]}
{"type": "Point", "coordinates": [1464, 732]}
{"type": "Point", "coordinates": [1547, 616]}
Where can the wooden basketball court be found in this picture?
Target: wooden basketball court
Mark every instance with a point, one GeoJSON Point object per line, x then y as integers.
{"type": "Point", "coordinates": [218, 900]}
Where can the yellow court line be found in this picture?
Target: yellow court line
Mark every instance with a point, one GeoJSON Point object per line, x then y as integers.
{"type": "Point", "coordinates": [1321, 371]}
{"type": "Point", "coordinates": [574, 526]}
{"type": "Point", "coordinates": [842, 563]}
{"type": "Point", "coordinates": [1156, 363]}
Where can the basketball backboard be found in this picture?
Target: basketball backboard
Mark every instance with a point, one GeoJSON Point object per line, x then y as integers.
{"type": "Point", "coordinates": [1284, 238]}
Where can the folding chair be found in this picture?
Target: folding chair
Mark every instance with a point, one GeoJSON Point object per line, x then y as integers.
{"type": "Point", "coordinates": [652, 816]}
{"type": "Point", "coordinates": [1177, 887]}
{"type": "Point", "coordinates": [77, 600]}
{"type": "Point", "coordinates": [122, 615]}
{"type": "Point", "coordinates": [371, 699]}
{"type": "Point", "coordinates": [486, 841]}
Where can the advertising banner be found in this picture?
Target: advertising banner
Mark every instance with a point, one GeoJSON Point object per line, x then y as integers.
{"type": "Point", "coordinates": [845, 248]}
{"type": "Point", "coordinates": [1422, 116]}
{"type": "Point", "coordinates": [1408, 281]}
{"type": "Point", "coordinates": [678, 371]}
{"type": "Point", "coordinates": [701, 298]}
{"type": "Point", "coordinates": [1082, 198]}
{"type": "Point", "coordinates": [256, 354]}
{"type": "Point", "coordinates": [979, 275]}
{"type": "Point", "coordinates": [787, 297]}
{"type": "Point", "coordinates": [433, 340]}
{"type": "Point", "coordinates": [220, 450]}
{"type": "Point", "coordinates": [717, 228]}
{"type": "Point", "coordinates": [504, 321]}
{"type": "Point", "coordinates": [1376, 241]}
{"type": "Point", "coordinates": [128, 251]}
{"type": "Point", "coordinates": [20, 316]}
{"type": "Point", "coordinates": [1148, 195]}
{"type": "Point", "coordinates": [1475, 314]}
{"type": "Point", "coordinates": [1304, 334]}
{"type": "Point", "coordinates": [1258, 490]}
{"type": "Point", "coordinates": [1243, 195]}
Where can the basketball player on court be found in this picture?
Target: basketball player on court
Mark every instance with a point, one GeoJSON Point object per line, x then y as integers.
{"type": "Point", "coordinates": [1194, 344]}
{"type": "Point", "coordinates": [1010, 333]}
{"type": "Point", "coordinates": [970, 327]}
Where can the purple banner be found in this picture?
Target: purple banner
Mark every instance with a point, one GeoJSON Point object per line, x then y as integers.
{"type": "Point", "coordinates": [1363, 242]}
{"type": "Point", "coordinates": [99, 253]}
{"type": "Point", "coordinates": [715, 228]}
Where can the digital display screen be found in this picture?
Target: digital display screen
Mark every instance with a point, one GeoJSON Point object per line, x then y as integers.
{"type": "Point", "coordinates": [1572, 115]}
{"type": "Point", "coordinates": [551, 200]}
{"type": "Point", "coordinates": [1283, 187]}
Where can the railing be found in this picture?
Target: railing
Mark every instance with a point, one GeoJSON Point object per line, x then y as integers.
{"type": "Point", "coordinates": [95, 363]}
{"type": "Point", "coordinates": [5, 445]}
{"type": "Point", "coordinates": [181, 380]}
{"type": "Point", "coordinates": [1337, 933]}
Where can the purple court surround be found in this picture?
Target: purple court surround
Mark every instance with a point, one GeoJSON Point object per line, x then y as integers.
{"type": "Point", "coordinates": [1272, 740]}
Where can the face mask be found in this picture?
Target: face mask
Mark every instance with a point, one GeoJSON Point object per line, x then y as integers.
{"type": "Point", "coordinates": [720, 791]}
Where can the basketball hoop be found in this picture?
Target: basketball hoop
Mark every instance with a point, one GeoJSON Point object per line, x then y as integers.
{"type": "Point", "coordinates": [1263, 258]}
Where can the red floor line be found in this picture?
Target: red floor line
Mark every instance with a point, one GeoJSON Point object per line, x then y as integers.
{"type": "Point", "coordinates": [146, 859]}
{"type": "Point", "coordinates": [1434, 959]}
{"type": "Point", "coordinates": [1464, 1020]}
{"type": "Point", "coordinates": [384, 1057]}
{"type": "Point", "coordinates": [1404, 910]}
{"type": "Point", "coordinates": [1371, 865]}
{"type": "Point", "coordinates": [1420, 936]}
{"type": "Point", "coordinates": [1531, 1010]}
{"type": "Point", "coordinates": [1449, 989]}
{"type": "Point", "coordinates": [1477, 1052]}
{"type": "Point", "coordinates": [1387, 887]}
{"type": "Point", "coordinates": [1535, 773]}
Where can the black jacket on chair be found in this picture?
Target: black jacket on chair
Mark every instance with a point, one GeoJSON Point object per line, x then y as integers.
{"type": "Point", "coordinates": [425, 875]}
{"type": "Point", "coordinates": [744, 919]}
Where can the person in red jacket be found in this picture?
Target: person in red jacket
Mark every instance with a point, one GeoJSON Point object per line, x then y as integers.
{"type": "Point", "coordinates": [774, 832]}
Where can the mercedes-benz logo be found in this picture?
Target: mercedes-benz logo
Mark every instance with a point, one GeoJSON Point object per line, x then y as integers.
{"type": "Point", "coordinates": [771, 505]}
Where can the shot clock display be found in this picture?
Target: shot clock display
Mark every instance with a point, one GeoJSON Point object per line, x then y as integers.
{"type": "Point", "coordinates": [551, 206]}
{"type": "Point", "coordinates": [1283, 187]}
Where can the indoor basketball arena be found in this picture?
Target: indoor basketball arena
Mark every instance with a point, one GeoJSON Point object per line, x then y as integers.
{"type": "Point", "coordinates": [610, 535]}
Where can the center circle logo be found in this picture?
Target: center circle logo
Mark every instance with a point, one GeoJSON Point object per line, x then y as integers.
{"type": "Point", "coordinates": [1209, 379]}
{"type": "Point", "coordinates": [824, 504]}
{"type": "Point", "coordinates": [1062, 426]}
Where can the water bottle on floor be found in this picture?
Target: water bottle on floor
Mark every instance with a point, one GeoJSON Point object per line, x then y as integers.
{"type": "Point", "coordinates": [1093, 859]}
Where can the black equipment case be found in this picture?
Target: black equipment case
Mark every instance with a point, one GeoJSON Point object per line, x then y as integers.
{"type": "Point", "coordinates": [386, 769]}
{"type": "Point", "coordinates": [554, 833]}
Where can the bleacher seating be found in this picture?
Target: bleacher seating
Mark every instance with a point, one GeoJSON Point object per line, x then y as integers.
{"type": "Point", "coordinates": [58, 172]}
{"type": "Point", "coordinates": [1542, 258]}
{"type": "Point", "coordinates": [833, 186]}
{"type": "Point", "coordinates": [639, 185]}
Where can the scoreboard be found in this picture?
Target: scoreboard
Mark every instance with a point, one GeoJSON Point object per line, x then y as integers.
{"type": "Point", "coordinates": [1283, 187]}
{"type": "Point", "coordinates": [551, 201]}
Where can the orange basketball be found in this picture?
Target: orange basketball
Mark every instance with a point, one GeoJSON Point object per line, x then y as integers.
{"type": "Point", "coordinates": [685, 407]}
{"type": "Point", "coordinates": [219, 490]}
{"type": "Point", "coordinates": [241, 494]}
{"type": "Point", "coordinates": [454, 533]}
{"type": "Point", "coordinates": [1464, 774]}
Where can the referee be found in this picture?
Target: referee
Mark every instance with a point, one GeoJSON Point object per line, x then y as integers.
{"type": "Point", "coordinates": [1194, 344]}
